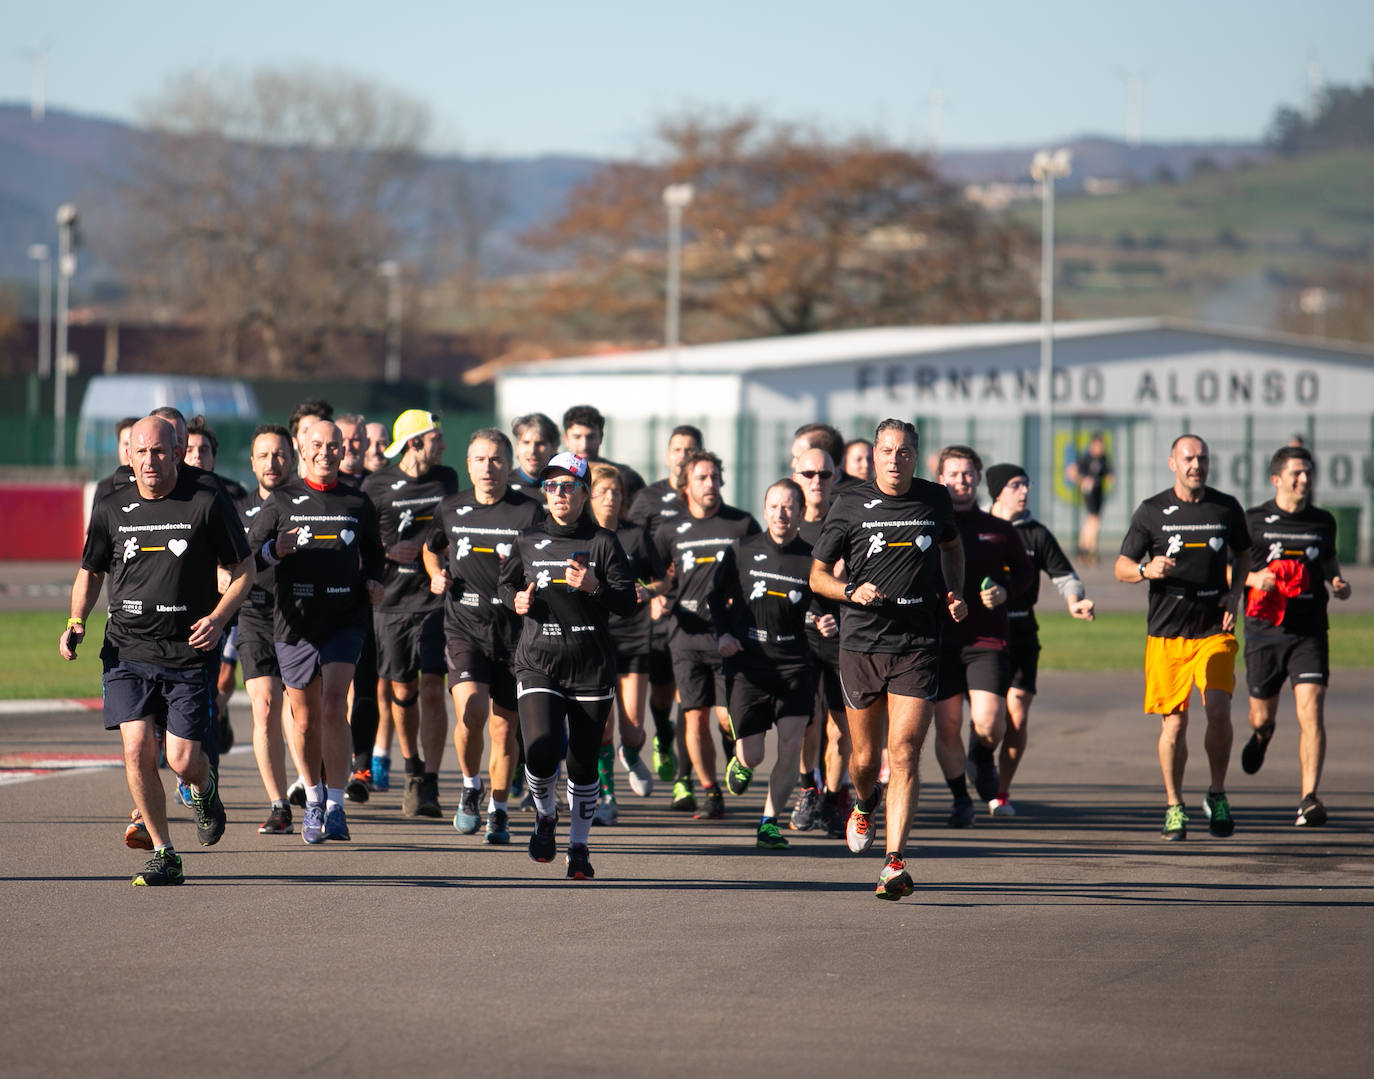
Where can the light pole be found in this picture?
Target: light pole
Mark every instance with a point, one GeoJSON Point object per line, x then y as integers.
{"type": "Point", "coordinates": [391, 270]}
{"type": "Point", "coordinates": [39, 253]}
{"type": "Point", "coordinates": [1046, 167]}
{"type": "Point", "coordinates": [66, 269]}
{"type": "Point", "coordinates": [676, 198]}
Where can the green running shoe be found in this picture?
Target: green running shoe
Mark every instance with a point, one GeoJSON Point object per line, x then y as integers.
{"type": "Point", "coordinates": [737, 777]}
{"type": "Point", "coordinates": [1218, 812]}
{"type": "Point", "coordinates": [1175, 823]}
{"type": "Point", "coordinates": [894, 882]}
{"type": "Point", "coordinates": [770, 838]}
{"type": "Point", "coordinates": [684, 800]}
{"type": "Point", "coordinates": [665, 760]}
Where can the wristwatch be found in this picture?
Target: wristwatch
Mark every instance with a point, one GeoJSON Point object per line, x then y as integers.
{"type": "Point", "coordinates": [1141, 568]}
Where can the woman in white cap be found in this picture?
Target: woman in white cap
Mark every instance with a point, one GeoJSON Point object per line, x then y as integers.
{"type": "Point", "coordinates": [565, 577]}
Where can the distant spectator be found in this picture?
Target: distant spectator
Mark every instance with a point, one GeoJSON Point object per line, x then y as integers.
{"type": "Point", "coordinates": [1090, 473]}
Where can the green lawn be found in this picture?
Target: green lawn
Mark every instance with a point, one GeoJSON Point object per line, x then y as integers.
{"type": "Point", "coordinates": [30, 666]}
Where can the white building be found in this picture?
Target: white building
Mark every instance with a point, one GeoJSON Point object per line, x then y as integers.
{"type": "Point", "coordinates": [1141, 382]}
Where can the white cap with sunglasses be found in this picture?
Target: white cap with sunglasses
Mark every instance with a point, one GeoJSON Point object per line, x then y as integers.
{"type": "Point", "coordinates": [571, 464]}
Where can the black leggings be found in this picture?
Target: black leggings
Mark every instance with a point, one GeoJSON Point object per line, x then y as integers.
{"type": "Point", "coordinates": [363, 719]}
{"type": "Point", "coordinates": [551, 724]}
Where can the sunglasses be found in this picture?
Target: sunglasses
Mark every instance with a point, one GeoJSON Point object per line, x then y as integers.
{"type": "Point", "coordinates": [812, 473]}
{"type": "Point", "coordinates": [559, 487]}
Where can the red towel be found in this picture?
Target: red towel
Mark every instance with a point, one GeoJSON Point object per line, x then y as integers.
{"type": "Point", "coordinates": [1290, 579]}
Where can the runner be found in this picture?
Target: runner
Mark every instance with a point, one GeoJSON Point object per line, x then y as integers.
{"type": "Point", "coordinates": [584, 429]}
{"type": "Point", "coordinates": [887, 533]}
{"type": "Point", "coordinates": [1178, 541]}
{"type": "Point", "coordinates": [1293, 544]}
{"type": "Point", "coordinates": [160, 542]}
{"type": "Point", "coordinates": [974, 660]}
{"type": "Point", "coordinates": [690, 550]}
{"type": "Point", "coordinates": [374, 456]}
{"type": "Point", "coordinates": [305, 414]}
{"type": "Point", "coordinates": [822, 436]}
{"type": "Point", "coordinates": [409, 622]}
{"type": "Point", "coordinates": [1090, 474]}
{"type": "Point", "coordinates": [563, 578]}
{"type": "Point", "coordinates": [476, 530]}
{"type": "Point", "coordinates": [321, 536]}
{"type": "Point", "coordinates": [759, 601]}
{"type": "Point", "coordinates": [858, 459]}
{"type": "Point", "coordinates": [1009, 486]}
{"type": "Point", "coordinates": [536, 439]}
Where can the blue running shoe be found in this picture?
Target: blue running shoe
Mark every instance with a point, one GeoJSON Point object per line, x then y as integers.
{"type": "Point", "coordinates": [312, 828]}
{"type": "Point", "coordinates": [469, 816]}
{"type": "Point", "coordinates": [381, 773]}
{"type": "Point", "coordinates": [336, 824]}
{"type": "Point", "coordinates": [184, 794]}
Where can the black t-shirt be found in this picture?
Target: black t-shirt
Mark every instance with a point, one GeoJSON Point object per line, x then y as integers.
{"type": "Point", "coordinates": [655, 504]}
{"type": "Point", "coordinates": [631, 632]}
{"type": "Point", "coordinates": [694, 545]}
{"type": "Point", "coordinates": [161, 554]}
{"type": "Point", "coordinates": [477, 539]}
{"type": "Point", "coordinates": [760, 596]}
{"type": "Point", "coordinates": [320, 585]}
{"type": "Point", "coordinates": [1187, 603]}
{"type": "Point", "coordinates": [405, 511]}
{"type": "Point", "coordinates": [565, 636]}
{"type": "Point", "coordinates": [992, 550]}
{"type": "Point", "coordinates": [1047, 556]}
{"type": "Point", "coordinates": [262, 597]}
{"type": "Point", "coordinates": [1309, 536]}
{"type": "Point", "coordinates": [892, 541]}
{"type": "Point", "coordinates": [826, 649]}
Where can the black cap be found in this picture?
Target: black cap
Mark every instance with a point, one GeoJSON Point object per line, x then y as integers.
{"type": "Point", "coordinates": [1000, 475]}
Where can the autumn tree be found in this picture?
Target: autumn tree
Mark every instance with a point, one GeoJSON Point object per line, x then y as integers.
{"type": "Point", "coordinates": [788, 232]}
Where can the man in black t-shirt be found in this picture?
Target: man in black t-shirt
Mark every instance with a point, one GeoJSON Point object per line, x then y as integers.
{"type": "Point", "coordinates": [1178, 541]}
{"type": "Point", "coordinates": [471, 537]}
{"type": "Point", "coordinates": [1293, 550]}
{"type": "Point", "coordinates": [536, 439]}
{"type": "Point", "coordinates": [690, 550]}
{"type": "Point", "coordinates": [897, 539]}
{"type": "Point", "coordinates": [584, 429]}
{"type": "Point", "coordinates": [161, 541]}
{"type": "Point", "coordinates": [409, 622]}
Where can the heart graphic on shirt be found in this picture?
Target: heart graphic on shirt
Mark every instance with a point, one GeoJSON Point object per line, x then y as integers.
{"type": "Point", "coordinates": [1215, 543]}
{"type": "Point", "coordinates": [1311, 553]}
{"type": "Point", "coordinates": [177, 547]}
{"type": "Point", "coordinates": [503, 550]}
{"type": "Point", "coordinates": [794, 596]}
{"type": "Point", "coordinates": [923, 542]}
{"type": "Point", "coordinates": [346, 534]}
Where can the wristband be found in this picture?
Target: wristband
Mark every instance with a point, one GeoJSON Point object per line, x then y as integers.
{"type": "Point", "coordinates": [77, 623]}
{"type": "Point", "coordinates": [1141, 568]}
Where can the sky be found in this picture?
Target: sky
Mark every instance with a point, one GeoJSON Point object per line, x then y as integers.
{"type": "Point", "coordinates": [593, 77]}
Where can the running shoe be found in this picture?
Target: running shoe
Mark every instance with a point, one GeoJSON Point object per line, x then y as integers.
{"type": "Point", "coordinates": [1217, 810]}
{"type": "Point", "coordinates": [184, 794]}
{"type": "Point", "coordinates": [607, 812]}
{"type": "Point", "coordinates": [737, 777]}
{"type": "Point", "coordinates": [278, 822]}
{"type": "Point", "coordinates": [359, 785]}
{"type": "Point", "coordinates": [163, 868]}
{"type": "Point", "coordinates": [713, 805]}
{"type": "Point", "coordinates": [336, 824]}
{"type": "Point", "coordinates": [1001, 807]}
{"type": "Point", "coordinates": [770, 838]}
{"type": "Point", "coordinates": [1311, 814]}
{"type": "Point", "coordinates": [312, 827]}
{"type": "Point", "coordinates": [136, 836]}
{"type": "Point", "coordinates": [665, 760]}
{"type": "Point", "coordinates": [894, 882]}
{"type": "Point", "coordinates": [1252, 756]}
{"type": "Point", "coordinates": [381, 773]}
{"type": "Point", "coordinates": [295, 794]}
{"type": "Point", "coordinates": [210, 815]}
{"type": "Point", "coordinates": [684, 801]}
{"type": "Point", "coordinates": [805, 812]}
{"type": "Point", "coordinates": [527, 802]}
{"type": "Point", "coordinates": [517, 784]}
{"type": "Point", "coordinates": [1175, 823]}
{"type": "Point", "coordinates": [429, 796]}
{"type": "Point", "coordinates": [961, 813]}
{"type": "Point", "coordinates": [544, 840]}
{"type": "Point", "coordinates": [580, 863]}
{"type": "Point", "coordinates": [983, 766]}
{"type": "Point", "coordinates": [469, 816]}
{"type": "Point", "coordinates": [858, 830]}
{"type": "Point", "coordinates": [641, 779]}
{"type": "Point", "coordinates": [410, 800]}
{"type": "Point", "coordinates": [498, 828]}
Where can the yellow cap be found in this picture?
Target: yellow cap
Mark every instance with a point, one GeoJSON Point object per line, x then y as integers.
{"type": "Point", "coordinates": [412, 423]}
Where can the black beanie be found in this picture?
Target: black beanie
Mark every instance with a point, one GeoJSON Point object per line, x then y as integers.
{"type": "Point", "coordinates": [1000, 475]}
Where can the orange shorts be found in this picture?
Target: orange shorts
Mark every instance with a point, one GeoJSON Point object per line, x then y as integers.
{"type": "Point", "coordinates": [1173, 665]}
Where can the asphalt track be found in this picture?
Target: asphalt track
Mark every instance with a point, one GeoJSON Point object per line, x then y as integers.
{"type": "Point", "coordinates": [1069, 941]}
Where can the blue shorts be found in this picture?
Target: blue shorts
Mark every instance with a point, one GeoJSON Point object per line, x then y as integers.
{"type": "Point", "coordinates": [178, 698]}
{"type": "Point", "coordinates": [302, 661]}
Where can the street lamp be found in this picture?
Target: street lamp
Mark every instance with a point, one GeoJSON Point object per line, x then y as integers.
{"type": "Point", "coordinates": [676, 197]}
{"type": "Point", "coordinates": [391, 270]}
{"type": "Point", "coordinates": [39, 254]}
{"type": "Point", "coordinates": [1046, 167]}
{"type": "Point", "coordinates": [66, 269]}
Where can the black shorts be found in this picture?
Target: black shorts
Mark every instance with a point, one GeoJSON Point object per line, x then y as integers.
{"type": "Point", "coordinates": [829, 686]}
{"type": "Point", "coordinates": [409, 643]}
{"type": "Point", "coordinates": [302, 661]}
{"type": "Point", "coordinates": [1024, 653]}
{"type": "Point", "coordinates": [1092, 502]}
{"type": "Point", "coordinates": [467, 662]}
{"type": "Point", "coordinates": [700, 680]}
{"type": "Point", "coordinates": [760, 696]}
{"type": "Point", "coordinates": [660, 665]}
{"type": "Point", "coordinates": [866, 676]}
{"type": "Point", "coordinates": [257, 653]}
{"type": "Point", "coordinates": [177, 698]}
{"type": "Point", "coordinates": [635, 664]}
{"type": "Point", "coordinates": [963, 669]}
{"type": "Point", "coordinates": [1269, 660]}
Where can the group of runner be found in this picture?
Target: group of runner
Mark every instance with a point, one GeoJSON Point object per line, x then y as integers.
{"type": "Point", "coordinates": [559, 590]}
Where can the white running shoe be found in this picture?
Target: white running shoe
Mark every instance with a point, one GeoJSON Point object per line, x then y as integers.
{"type": "Point", "coordinates": [1001, 807]}
{"type": "Point", "coordinates": [606, 812]}
{"type": "Point", "coordinates": [641, 779]}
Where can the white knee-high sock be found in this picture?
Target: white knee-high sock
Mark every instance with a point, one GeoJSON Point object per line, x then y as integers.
{"type": "Point", "coordinates": [541, 790]}
{"type": "Point", "coordinates": [582, 798]}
